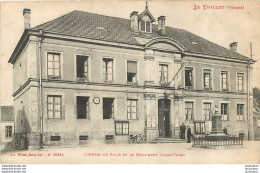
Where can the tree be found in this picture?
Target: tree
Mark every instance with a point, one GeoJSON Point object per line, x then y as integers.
{"type": "Point", "coordinates": [256, 92]}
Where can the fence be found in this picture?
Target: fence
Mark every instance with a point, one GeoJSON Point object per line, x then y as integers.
{"type": "Point", "coordinates": [218, 141]}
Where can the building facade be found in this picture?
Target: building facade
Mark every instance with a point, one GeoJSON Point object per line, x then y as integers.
{"type": "Point", "coordinates": [86, 77]}
{"type": "Point", "coordinates": [7, 125]}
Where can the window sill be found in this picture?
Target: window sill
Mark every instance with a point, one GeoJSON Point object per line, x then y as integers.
{"type": "Point", "coordinates": [108, 81]}
{"type": "Point", "coordinates": [189, 87]}
{"type": "Point", "coordinates": [225, 90]}
{"type": "Point", "coordinates": [54, 77]}
{"type": "Point", "coordinates": [133, 119]}
{"type": "Point", "coordinates": [208, 89]}
{"type": "Point", "coordinates": [82, 79]}
{"type": "Point", "coordinates": [132, 83]}
{"type": "Point", "coordinates": [122, 134]}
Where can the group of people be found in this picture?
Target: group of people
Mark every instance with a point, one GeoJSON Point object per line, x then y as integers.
{"type": "Point", "coordinates": [183, 130]}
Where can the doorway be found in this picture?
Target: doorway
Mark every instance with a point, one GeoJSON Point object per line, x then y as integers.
{"type": "Point", "coordinates": [164, 118]}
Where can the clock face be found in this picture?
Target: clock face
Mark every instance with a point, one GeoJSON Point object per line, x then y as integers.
{"type": "Point", "coordinates": [96, 100]}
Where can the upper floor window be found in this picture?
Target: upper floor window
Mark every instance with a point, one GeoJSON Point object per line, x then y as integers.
{"type": "Point", "coordinates": [82, 67]}
{"type": "Point", "coordinates": [224, 80]}
{"type": "Point", "coordinates": [53, 71]}
{"type": "Point", "coordinates": [163, 73]}
{"type": "Point", "coordinates": [131, 71]}
{"type": "Point", "coordinates": [189, 110]}
{"type": "Point", "coordinates": [206, 111]}
{"type": "Point", "coordinates": [107, 69]}
{"type": "Point", "coordinates": [8, 131]}
{"type": "Point", "coordinates": [240, 81]}
{"type": "Point", "coordinates": [131, 109]}
{"type": "Point", "coordinates": [240, 112]}
{"type": "Point", "coordinates": [145, 26]}
{"type": "Point", "coordinates": [224, 111]}
{"type": "Point", "coordinates": [54, 106]}
{"type": "Point", "coordinates": [188, 77]}
{"type": "Point", "coordinates": [82, 107]}
{"type": "Point", "coordinates": [108, 108]}
{"type": "Point", "coordinates": [207, 79]}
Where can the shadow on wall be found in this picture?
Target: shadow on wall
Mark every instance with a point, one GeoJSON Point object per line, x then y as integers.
{"type": "Point", "coordinates": [22, 124]}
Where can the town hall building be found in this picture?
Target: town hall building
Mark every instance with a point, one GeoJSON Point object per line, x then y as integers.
{"type": "Point", "coordinates": [88, 77]}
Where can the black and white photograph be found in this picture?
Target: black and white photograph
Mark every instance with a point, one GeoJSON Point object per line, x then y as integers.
{"type": "Point", "coordinates": [130, 82]}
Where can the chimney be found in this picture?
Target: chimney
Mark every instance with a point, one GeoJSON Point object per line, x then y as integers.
{"type": "Point", "coordinates": [161, 25]}
{"type": "Point", "coordinates": [134, 21]}
{"type": "Point", "coordinates": [233, 46]}
{"type": "Point", "coordinates": [27, 20]}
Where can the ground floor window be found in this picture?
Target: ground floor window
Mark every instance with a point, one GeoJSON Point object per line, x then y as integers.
{"type": "Point", "coordinates": [131, 109]}
{"type": "Point", "coordinates": [240, 112]}
{"type": "Point", "coordinates": [108, 108]}
{"type": "Point", "coordinates": [189, 110]}
{"type": "Point", "coordinates": [199, 127]}
{"type": "Point", "coordinates": [122, 127]}
{"type": "Point", "coordinates": [8, 131]}
{"type": "Point", "coordinates": [224, 111]}
{"type": "Point", "coordinates": [82, 107]}
{"type": "Point", "coordinates": [54, 106]}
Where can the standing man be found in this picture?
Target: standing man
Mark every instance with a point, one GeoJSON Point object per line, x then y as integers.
{"type": "Point", "coordinates": [189, 134]}
{"type": "Point", "coordinates": [182, 130]}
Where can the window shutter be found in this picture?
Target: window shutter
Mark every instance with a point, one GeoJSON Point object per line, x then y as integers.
{"type": "Point", "coordinates": [132, 67]}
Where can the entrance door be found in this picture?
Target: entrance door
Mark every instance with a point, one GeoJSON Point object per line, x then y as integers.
{"type": "Point", "coordinates": [164, 118]}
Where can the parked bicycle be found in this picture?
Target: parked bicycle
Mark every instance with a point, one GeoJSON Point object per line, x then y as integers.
{"type": "Point", "coordinates": [137, 139]}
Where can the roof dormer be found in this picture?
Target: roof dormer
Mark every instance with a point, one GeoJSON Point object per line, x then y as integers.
{"type": "Point", "coordinates": [145, 20]}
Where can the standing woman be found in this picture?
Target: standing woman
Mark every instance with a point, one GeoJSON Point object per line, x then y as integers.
{"type": "Point", "coordinates": [189, 134]}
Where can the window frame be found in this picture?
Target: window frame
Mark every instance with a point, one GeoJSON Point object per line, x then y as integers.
{"type": "Point", "coordinates": [192, 79]}
{"type": "Point", "coordinates": [105, 73]}
{"type": "Point", "coordinates": [86, 78]}
{"type": "Point", "coordinates": [87, 107]}
{"type": "Point", "coordinates": [145, 26]}
{"type": "Point", "coordinates": [240, 74]}
{"type": "Point", "coordinates": [222, 112]}
{"type": "Point", "coordinates": [185, 108]}
{"type": "Point", "coordinates": [201, 130]}
{"type": "Point", "coordinates": [160, 68]}
{"type": "Point", "coordinates": [209, 110]}
{"type": "Point", "coordinates": [136, 75]}
{"type": "Point", "coordinates": [122, 128]}
{"type": "Point", "coordinates": [240, 117]}
{"type": "Point", "coordinates": [8, 131]}
{"type": "Point", "coordinates": [207, 71]}
{"type": "Point", "coordinates": [112, 109]}
{"type": "Point", "coordinates": [222, 82]}
{"type": "Point", "coordinates": [136, 107]}
{"type": "Point", "coordinates": [53, 69]}
{"type": "Point", "coordinates": [53, 106]}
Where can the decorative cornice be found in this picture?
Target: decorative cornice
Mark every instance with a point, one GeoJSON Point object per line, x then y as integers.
{"type": "Point", "coordinates": [149, 95]}
{"type": "Point", "coordinates": [148, 58]}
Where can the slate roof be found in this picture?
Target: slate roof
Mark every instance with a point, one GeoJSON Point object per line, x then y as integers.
{"type": "Point", "coordinates": [7, 113]}
{"type": "Point", "coordinates": [114, 29]}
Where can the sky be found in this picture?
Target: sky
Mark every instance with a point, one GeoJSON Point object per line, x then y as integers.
{"type": "Point", "coordinates": [221, 26]}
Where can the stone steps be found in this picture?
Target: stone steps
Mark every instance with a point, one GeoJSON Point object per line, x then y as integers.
{"type": "Point", "coordinates": [167, 140]}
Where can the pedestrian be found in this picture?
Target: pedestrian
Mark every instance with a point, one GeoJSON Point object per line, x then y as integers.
{"type": "Point", "coordinates": [225, 131]}
{"type": "Point", "coordinates": [189, 134]}
{"type": "Point", "coordinates": [182, 130]}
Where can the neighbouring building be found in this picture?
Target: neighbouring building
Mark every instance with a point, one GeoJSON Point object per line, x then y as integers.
{"type": "Point", "coordinates": [89, 77]}
{"type": "Point", "coordinates": [7, 125]}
